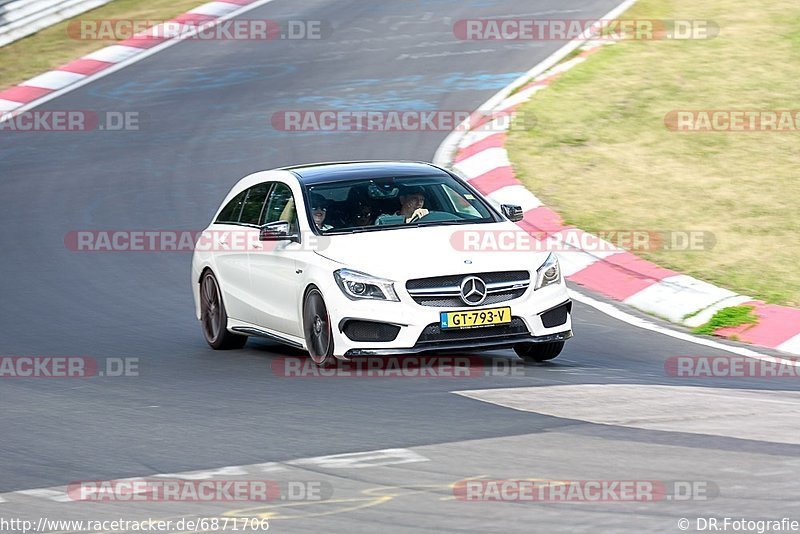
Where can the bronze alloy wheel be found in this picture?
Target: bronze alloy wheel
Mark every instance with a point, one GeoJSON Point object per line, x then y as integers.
{"type": "Point", "coordinates": [214, 318]}
{"type": "Point", "coordinates": [317, 328]}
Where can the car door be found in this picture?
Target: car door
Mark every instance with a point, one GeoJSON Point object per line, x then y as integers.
{"type": "Point", "coordinates": [234, 233]}
{"type": "Point", "coordinates": [273, 269]}
{"type": "Point", "coordinates": [230, 265]}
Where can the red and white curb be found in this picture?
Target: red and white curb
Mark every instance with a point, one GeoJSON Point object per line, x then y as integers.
{"type": "Point", "coordinates": [480, 156]}
{"type": "Point", "coordinates": [41, 88]}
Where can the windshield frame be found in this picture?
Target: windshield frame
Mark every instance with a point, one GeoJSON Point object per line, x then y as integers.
{"type": "Point", "coordinates": [494, 214]}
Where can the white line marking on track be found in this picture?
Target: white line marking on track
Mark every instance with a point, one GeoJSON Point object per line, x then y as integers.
{"type": "Point", "coordinates": [269, 467]}
{"type": "Point", "coordinates": [208, 474]}
{"type": "Point", "coordinates": [358, 460]}
{"type": "Point", "coordinates": [352, 460]}
{"type": "Point", "coordinates": [45, 493]}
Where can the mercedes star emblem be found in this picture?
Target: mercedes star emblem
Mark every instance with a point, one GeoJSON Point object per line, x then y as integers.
{"type": "Point", "coordinates": [473, 290]}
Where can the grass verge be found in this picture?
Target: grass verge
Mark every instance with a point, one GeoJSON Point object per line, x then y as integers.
{"type": "Point", "coordinates": [600, 153]}
{"type": "Point", "coordinates": [53, 47]}
{"type": "Point", "coordinates": [727, 317]}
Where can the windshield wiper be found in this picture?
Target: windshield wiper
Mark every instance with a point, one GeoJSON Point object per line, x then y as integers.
{"type": "Point", "coordinates": [444, 223]}
{"type": "Point", "coordinates": [357, 230]}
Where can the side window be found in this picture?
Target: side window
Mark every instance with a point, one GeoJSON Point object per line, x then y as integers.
{"type": "Point", "coordinates": [230, 213]}
{"type": "Point", "coordinates": [254, 204]}
{"type": "Point", "coordinates": [280, 206]}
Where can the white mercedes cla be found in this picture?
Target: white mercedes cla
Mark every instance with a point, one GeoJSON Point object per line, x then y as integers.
{"type": "Point", "coordinates": [366, 258]}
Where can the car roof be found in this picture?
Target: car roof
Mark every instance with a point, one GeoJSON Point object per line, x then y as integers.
{"type": "Point", "coordinates": [355, 170]}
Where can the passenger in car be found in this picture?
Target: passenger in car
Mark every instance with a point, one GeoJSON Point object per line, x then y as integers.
{"type": "Point", "coordinates": [319, 210]}
{"type": "Point", "coordinates": [363, 209]}
{"type": "Point", "coordinates": [363, 215]}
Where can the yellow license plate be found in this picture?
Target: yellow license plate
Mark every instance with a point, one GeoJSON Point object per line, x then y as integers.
{"type": "Point", "coordinates": [472, 318]}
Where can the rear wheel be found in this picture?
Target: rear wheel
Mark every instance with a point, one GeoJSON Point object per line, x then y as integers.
{"type": "Point", "coordinates": [214, 318]}
{"type": "Point", "coordinates": [538, 352]}
{"type": "Point", "coordinates": [317, 328]}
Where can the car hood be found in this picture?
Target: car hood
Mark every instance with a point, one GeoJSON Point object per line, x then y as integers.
{"type": "Point", "coordinates": [407, 253]}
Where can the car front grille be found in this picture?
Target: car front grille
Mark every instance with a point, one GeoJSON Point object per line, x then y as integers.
{"type": "Point", "coordinates": [433, 333]}
{"type": "Point", "coordinates": [445, 291]}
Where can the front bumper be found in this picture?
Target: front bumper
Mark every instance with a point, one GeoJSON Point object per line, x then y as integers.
{"type": "Point", "coordinates": [441, 346]}
{"type": "Point", "coordinates": [531, 317]}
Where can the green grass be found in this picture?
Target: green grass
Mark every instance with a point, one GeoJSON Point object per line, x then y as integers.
{"type": "Point", "coordinates": [727, 317]}
{"type": "Point", "coordinates": [601, 155]}
{"type": "Point", "coordinates": [53, 47]}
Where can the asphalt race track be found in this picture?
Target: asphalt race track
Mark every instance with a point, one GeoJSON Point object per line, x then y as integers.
{"type": "Point", "coordinates": [206, 111]}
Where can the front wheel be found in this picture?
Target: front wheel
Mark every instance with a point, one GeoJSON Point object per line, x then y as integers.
{"type": "Point", "coordinates": [214, 318]}
{"type": "Point", "coordinates": [538, 352]}
{"type": "Point", "coordinates": [317, 328]}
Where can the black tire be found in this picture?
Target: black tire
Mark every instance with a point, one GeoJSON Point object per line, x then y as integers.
{"type": "Point", "coordinates": [317, 328]}
{"type": "Point", "coordinates": [214, 318]}
{"type": "Point", "coordinates": [538, 352]}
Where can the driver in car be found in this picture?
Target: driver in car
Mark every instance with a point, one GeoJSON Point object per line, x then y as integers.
{"type": "Point", "coordinates": [412, 198]}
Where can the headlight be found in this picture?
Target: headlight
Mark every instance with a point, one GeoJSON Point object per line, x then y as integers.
{"type": "Point", "coordinates": [356, 286]}
{"type": "Point", "coordinates": [548, 273]}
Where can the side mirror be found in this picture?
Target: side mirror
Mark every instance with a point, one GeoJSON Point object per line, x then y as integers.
{"type": "Point", "coordinates": [513, 213]}
{"type": "Point", "coordinates": [277, 231]}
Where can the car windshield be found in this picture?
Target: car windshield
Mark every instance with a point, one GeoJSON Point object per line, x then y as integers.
{"type": "Point", "coordinates": [390, 203]}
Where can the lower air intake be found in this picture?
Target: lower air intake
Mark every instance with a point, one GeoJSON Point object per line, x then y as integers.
{"type": "Point", "coordinates": [370, 331]}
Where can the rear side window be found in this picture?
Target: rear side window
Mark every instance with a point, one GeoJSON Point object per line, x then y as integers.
{"type": "Point", "coordinates": [254, 203]}
{"type": "Point", "coordinates": [230, 213]}
{"type": "Point", "coordinates": [280, 206]}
